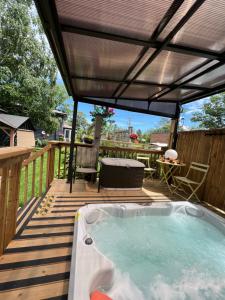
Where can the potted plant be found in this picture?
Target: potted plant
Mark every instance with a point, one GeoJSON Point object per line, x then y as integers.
{"type": "Point", "coordinates": [134, 138]}
{"type": "Point", "coordinates": [88, 139]}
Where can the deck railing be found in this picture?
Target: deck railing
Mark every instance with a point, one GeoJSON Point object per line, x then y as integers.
{"type": "Point", "coordinates": [10, 165]}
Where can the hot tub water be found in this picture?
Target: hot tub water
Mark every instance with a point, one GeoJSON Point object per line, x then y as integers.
{"type": "Point", "coordinates": [175, 256]}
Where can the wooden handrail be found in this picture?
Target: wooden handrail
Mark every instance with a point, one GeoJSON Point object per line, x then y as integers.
{"type": "Point", "coordinates": [36, 155]}
{"type": "Point", "coordinates": [10, 152]}
{"type": "Point", "coordinates": [133, 150]}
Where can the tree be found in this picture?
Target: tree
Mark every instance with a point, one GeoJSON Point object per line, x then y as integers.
{"type": "Point", "coordinates": [27, 67]}
{"type": "Point", "coordinates": [163, 126]}
{"type": "Point", "coordinates": [212, 114]}
{"type": "Point", "coordinates": [82, 124]}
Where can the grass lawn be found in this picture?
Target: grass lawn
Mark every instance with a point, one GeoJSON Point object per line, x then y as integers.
{"type": "Point", "coordinates": [37, 176]}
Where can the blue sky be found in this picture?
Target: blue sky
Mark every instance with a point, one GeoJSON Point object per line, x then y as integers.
{"type": "Point", "coordinates": [142, 121]}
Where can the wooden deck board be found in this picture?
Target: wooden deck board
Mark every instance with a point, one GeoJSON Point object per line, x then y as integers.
{"type": "Point", "coordinates": [31, 268]}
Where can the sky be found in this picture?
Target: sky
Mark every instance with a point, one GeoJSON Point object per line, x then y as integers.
{"type": "Point", "coordinates": [142, 121]}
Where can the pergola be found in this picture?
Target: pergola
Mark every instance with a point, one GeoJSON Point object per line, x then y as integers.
{"type": "Point", "coordinates": [144, 56]}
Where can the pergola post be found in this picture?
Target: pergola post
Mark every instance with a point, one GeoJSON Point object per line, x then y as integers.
{"type": "Point", "coordinates": [72, 145]}
{"type": "Point", "coordinates": [174, 129]}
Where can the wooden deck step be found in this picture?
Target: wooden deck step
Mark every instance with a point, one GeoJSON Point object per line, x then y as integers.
{"type": "Point", "coordinates": [47, 230]}
{"type": "Point", "coordinates": [32, 255]}
{"type": "Point", "coordinates": [39, 241]}
{"type": "Point", "coordinates": [39, 291]}
{"type": "Point", "coordinates": [35, 271]}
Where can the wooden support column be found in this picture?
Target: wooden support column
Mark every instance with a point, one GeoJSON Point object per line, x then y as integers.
{"type": "Point", "coordinates": [98, 129]}
{"type": "Point", "coordinates": [11, 137]}
{"type": "Point", "coordinates": [174, 129]}
{"type": "Point", "coordinates": [72, 145]}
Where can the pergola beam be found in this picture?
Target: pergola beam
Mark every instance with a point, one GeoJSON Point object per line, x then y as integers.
{"type": "Point", "coordinates": [139, 42]}
{"type": "Point", "coordinates": [138, 82]}
{"type": "Point", "coordinates": [93, 100]}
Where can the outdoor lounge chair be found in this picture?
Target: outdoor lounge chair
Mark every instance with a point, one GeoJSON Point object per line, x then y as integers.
{"type": "Point", "coordinates": [190, 183]}
{"type": "Point", "coordinates": [85, 162]}
{"type": "Point", "coordinates": [147, 170]}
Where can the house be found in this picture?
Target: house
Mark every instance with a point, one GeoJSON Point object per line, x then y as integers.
{"type": "Point", "coordinates": [160, 140]}
{"type": "Point", "coordinates": [16, 131]}
{"type": "Point", "coordinates": [63, 131]}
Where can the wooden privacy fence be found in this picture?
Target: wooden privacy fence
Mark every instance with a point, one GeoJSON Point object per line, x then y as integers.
{"type": "Point", "coordinates": [10, 166]}
{"type": "Point", "coordinates": [207, 147]}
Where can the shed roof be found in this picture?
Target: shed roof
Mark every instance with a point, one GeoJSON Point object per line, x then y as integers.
{"type": "Point", "coordinates": [13, 121]}
{"type": "Point", "coordinates": [146, 56]}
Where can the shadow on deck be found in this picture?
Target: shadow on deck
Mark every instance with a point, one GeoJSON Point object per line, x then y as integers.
{"type": "Point", "coordinates": [36, 264]}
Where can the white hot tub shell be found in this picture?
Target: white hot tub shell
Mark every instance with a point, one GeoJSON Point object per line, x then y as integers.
{"type": "Point", "coordinates": [91, 269]}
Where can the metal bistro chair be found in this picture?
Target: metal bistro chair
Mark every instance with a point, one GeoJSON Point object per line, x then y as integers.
{"type": "Point", "coordinates": [187, 181]}
{"type": "Point", "coordinates": [85, 162]}
{"type": "Point", "coordinates": [148, 170]}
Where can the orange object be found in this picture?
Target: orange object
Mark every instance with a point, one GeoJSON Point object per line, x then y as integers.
{"type": "Point", "coordinates": [96, 295]}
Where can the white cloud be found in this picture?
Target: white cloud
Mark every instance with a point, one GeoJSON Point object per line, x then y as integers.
{"type": "Point", "coordinates": [192, 107]}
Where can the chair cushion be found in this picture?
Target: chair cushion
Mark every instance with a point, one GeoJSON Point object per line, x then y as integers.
{"type": "Point", "coordinates": [186, 180]}
{"type": "Point", "coordinates": [86, 170]}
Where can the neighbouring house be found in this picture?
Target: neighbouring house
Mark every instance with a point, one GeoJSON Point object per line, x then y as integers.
{"type": "Point", "coordinates": [63, 131]}
{"type": "Point", "coordinates": [67, 129]}
{"type": "Point", "coordinates": [16, 131]}
{"type": "Point", "coordinates": [122, 135]}
{"type": "Point", "coordinates": [160, 140]}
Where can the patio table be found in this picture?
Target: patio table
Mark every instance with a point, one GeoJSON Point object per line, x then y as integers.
{"type": "Point", "coordinates": [168, 169]}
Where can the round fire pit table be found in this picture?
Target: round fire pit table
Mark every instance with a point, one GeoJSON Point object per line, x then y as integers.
{"type": "Point", "coordinates": [121, 173]}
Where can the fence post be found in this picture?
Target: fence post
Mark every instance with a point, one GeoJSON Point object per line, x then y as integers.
{"type": "Point", "coordinates": [50, 165]}
{"type": "Point", "coordinates": [10, 167]}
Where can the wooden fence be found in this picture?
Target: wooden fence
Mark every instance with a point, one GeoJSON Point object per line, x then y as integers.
{"type": "Point", "coordinates": [207, 147]}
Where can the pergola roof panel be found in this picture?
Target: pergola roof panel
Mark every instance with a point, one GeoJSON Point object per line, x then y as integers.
{"type": "Point", "coordinates": [211, 79]}
{"type": "Point", "coordinates": [205, 29]}
{"type": "Point", "coordinates": [134, 18]}
{"type": "Point", "coordinates": [94, 88]}
{"type": "Point", "coordinates": [180, 94]}
{"type": "Point", "coordinates": [95, 57]}
{"type": "Point", "coordinates": [140, 55]}
{"type": "Point", "coordinates": [141, 91]}
{"type": "Point", "coordinates": [169, 66]}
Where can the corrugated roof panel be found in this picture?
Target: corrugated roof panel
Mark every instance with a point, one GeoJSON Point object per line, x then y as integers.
{"type": "Point", "coordinates": [211, 79]}
{"type": "Point", "coordinates": [95, 57]}
{"type": "Point", "coordinates": [12, 120]}
{"type": "Point", "coordinates": [179, 94]}
{"type": "Point", "coordinates": [94, 88]}
{"type": "Point", "coordinates": [205, 29]}
{"type": "Point", "coordinates": [169, 66]}
{"type": "Point", "coordinates": [134, 18]}
{"type": "Point", "coordinates": [141, 91]}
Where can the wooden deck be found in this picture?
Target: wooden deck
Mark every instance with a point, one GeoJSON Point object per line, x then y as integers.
{"type": "Point", "coordinates": [36, 264]}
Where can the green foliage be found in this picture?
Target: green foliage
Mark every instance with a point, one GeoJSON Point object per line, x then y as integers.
{"type": "Point", "coordinates": [27, 68]}
{"type": "Point", "coordinates": [163, 126]}
{"type": "Point", "coordinates": [41, 143]}
{"type": "Point", "coordinates": [212, 114]}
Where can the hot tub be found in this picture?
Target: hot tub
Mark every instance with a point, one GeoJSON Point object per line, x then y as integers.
{"type": "Point", "coordinates": [162, 251]}
{"type": "Point", "coordinates": [121, 173]}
